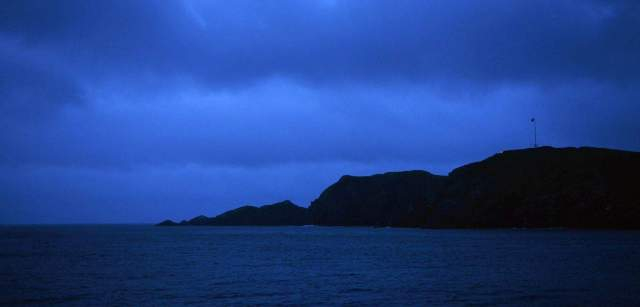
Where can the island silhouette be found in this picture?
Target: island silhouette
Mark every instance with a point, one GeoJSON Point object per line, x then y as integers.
{"type": "Point", "coordinates": [539, 187]}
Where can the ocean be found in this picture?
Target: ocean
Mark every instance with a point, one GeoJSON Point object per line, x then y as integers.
{"type": "Point", "coordinates": [94, 265]}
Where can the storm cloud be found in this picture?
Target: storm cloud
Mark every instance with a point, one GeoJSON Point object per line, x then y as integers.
{"type": "Point", "coordinates": [134, 111]}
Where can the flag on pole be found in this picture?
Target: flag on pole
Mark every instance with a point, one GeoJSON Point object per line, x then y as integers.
{"type": "Point", "coordinates": [535, 133]}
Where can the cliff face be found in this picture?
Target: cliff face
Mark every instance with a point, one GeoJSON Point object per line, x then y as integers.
{"type": "Point", "coordinates": [390, 199]}
{"type": "Point", "coordinates": [538, 187]}
{"type": "Point", "coordinates": [544, 187]}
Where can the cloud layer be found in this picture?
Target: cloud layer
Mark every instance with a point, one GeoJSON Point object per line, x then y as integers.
{"type": "Point", "coordinates": [178, 97]}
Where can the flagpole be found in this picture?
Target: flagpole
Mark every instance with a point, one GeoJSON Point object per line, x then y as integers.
{"type": "Point", "coordinates": [535, 134]}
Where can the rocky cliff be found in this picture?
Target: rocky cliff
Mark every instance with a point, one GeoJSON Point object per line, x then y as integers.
{"type": "Point", "coordinates": [390, 199]}
{"type": "Point", "coordinates": [537, 187]}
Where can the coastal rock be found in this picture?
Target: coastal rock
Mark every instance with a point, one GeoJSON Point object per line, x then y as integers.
{"type": "Point", "coordinates": [536, 187]}
{"type": "Point", "coordinates": [278, 214]}
{"type": "Point", "coordinates": [544, 187]}
{"type": "Point", "coordinates": [401, 199]}
{"type": "Point", "coordinates": [167, 223]}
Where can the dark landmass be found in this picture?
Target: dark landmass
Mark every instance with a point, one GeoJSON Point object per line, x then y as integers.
{"type": "Point", "coordinates": [538, 187]}
{"type": "Point", "coordinates": [278, 214]}
{"type": "Point", "coordinates": [390, 199]}
{"type": "Point", "coordinates": [167, 223]}
{"type": "Point", "coordinates": [544, 187]}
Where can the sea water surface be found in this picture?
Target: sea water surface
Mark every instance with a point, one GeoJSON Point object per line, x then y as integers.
{"type": "Point", "coordinates": [146, 265]}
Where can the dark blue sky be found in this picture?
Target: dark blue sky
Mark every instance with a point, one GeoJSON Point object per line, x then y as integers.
{"type": "Point", "coordinates": [136, 111]}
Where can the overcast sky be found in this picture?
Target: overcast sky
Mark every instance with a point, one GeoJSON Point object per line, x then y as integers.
{"type": "Point", "coordinates": [137, 111]}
